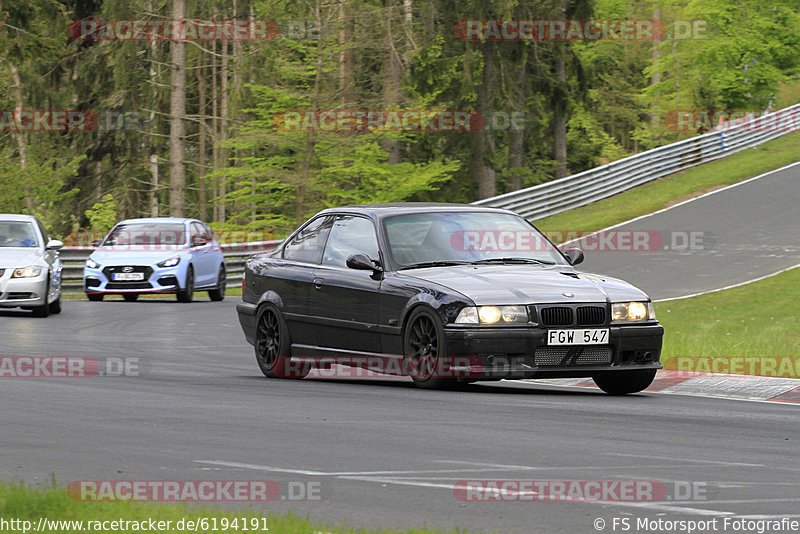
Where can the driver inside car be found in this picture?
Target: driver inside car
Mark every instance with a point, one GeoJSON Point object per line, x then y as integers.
{"type": "Point", "coordinates": [19, 237]}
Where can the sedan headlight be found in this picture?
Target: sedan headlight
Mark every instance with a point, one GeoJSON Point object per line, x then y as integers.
{"type": "Point", "coordinates": [172, 262]}
{"type": "Point", "coordinates": [27, 272]}
{"type": "Point", "coordinates": [492, 315]}
{"type": "Point", "coordinates": [90, 263]}
{"type": "Point", "coordinates": [632, 312]}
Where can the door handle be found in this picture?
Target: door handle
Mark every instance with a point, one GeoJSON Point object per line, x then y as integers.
{"type": "Point", "coordinates": [318, 282]}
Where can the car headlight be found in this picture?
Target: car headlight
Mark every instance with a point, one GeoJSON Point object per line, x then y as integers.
{"type": "Point", "coordinates": [172, 262]}
{"type": "Point", "coordinates": [27, 272]}
{"type": "Point", "coordinates": [90, 263]}
{"type": "Point", "coordinates": [492, 315]}
{"type": "Point", "coordinates": [632, 311]}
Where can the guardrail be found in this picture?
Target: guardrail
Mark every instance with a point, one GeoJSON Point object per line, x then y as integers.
{"type": "Point", "coordinates": [235, 254]}
{"type": "Point", "coordinates": [601, 182]}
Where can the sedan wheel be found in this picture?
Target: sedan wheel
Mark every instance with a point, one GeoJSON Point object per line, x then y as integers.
{"type": "Point", "coordinates": [94, 297]}
{"type": "Point", "coordinates": [272, 347]}
{"type": "Point", "coordinates": [624, 382]}
{"type": "Point", "coordinates": [55, 306]}
{"type": "Point", "coordinates": [186, 294]}
{"type": "Point", "coordinates": [219, 293]}
{"type": "Point", "coordinates": [44, 309]}
{"type": "Point", "coordinates": [424, 348]}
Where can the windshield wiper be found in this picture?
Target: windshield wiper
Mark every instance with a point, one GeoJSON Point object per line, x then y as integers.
{"type": "Point", "coordinates": [441, 263]}
{"type": "Point", "coordinates": [514, 260]}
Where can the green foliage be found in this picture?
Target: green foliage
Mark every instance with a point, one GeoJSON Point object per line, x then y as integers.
{"type": "Point", "coordinates": [44, 184]}
{"type": "Point", "coordinates": [103, 215]}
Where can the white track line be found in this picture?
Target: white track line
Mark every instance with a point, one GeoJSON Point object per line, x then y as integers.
{"type": "Point", "coordinates": [730, 286]}
{"type": "Point", "coordinates": [662, 210]}
{"type": "Point", "coordinates": [715, 462]}
{"type": "Point", "coordinates": [714, 192]}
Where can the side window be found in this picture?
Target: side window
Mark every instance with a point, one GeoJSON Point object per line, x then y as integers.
{"type": "Point", "coordinates": [195, 231]}
{"type": "Point", "coordinates": [350, 235]}
{"type": "Point", "coordinates": [45, 235]}
{"type": "Point", "coordinates": [307, 245]}
{"type": "Point", "coordinates": [207, 232]}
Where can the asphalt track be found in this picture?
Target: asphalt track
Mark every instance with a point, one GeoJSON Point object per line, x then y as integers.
{"type": "Point", "coordinates": [382, 453]}
{"type": "Point", "coordinates": [724, 238]}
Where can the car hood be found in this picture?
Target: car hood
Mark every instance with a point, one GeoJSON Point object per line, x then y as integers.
{"type": "Point", "coordinates": [528, 284]}
{"type": "Point", "coordinates": [127, 254]}
{"type": "Point", "coordinates": [18, 257]}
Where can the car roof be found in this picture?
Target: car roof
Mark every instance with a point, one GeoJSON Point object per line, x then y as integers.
{"type": "Point", "coordinates": [6, 217]}
{"type": "Point", "coordinates": [379, 211]}
{"type": "Point", "coordinates": [180, 220]}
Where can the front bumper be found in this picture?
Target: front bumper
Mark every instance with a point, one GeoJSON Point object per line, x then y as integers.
{"type": "Point", "coordinates": [523, 352]}
{"type": "Point", "coordinates": [22, 292]}
{"type": "Point", "coordinates": [156, 279]}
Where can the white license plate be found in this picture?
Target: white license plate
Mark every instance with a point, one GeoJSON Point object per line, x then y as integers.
{"type": "Point", "coordinates": [578, 336]}
{"type": "Point", "coordinates": [128, 277]}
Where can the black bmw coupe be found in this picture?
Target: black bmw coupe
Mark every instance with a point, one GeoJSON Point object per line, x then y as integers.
{"type": "Point", "coordinates": [447, 294]}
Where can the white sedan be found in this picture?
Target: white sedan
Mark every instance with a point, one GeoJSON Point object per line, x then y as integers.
{"type": "Point", "coordinates": [30, 266]}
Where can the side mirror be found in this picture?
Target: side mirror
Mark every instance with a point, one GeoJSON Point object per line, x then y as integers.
{"type": "Point", "coordinates": [96, 243]}
{"type": "Point", "coordinates": [199, 241]}
{"type": "Point", "coordinates": [574, 255]}
{"type": "Point", "coordinates": [54, 244]}
{"type": "Point", "coordinates": [361, 262]}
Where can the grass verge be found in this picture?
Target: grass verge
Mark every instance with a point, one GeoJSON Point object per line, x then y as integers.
{"type": "Point", "coordinates": [200, 295]}
{"type": "Point", "coordinates": [745, 330]}
{"type": "Point", "coordinates": [24, 503]}
{"type": "Point", "coordinates": [669, 190]}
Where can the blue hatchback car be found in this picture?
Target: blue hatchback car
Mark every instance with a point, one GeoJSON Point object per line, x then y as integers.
{"type": "Point", "coordinates": [156, 255]}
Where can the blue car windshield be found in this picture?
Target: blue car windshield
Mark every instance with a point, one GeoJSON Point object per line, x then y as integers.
{"type": "Point", "coordinates": [17, 234]}
{"type": "Point", "coordinates": [147, 234]}
{"type": "Point", "coordinates": [419, 239]}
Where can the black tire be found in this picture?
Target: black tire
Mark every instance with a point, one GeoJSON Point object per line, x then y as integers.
{"type": "Point", "coordinates": [273, 346]}
{"type": "Point", "coordinates": [624, 382]}
{"type": "Point", "coordinates": [130, 297]}
{"type": "Point", "coordinates": [55, 306]}
{"type": "Point", "coordinates": [218, 293]}
{"type": "Point", "coordinates": [44, 309]}
{"type": "Point", "coordinates": [186, 293]}
{"type": "Point", "coordinates": [94, 297]}
{"type": "Point", "coordinates": [424, 347]}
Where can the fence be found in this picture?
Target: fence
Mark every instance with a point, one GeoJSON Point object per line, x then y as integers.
{"type": "Point", "coordinates": [235, 254]}
{"type": "Point", "coordinates": [601, 182]}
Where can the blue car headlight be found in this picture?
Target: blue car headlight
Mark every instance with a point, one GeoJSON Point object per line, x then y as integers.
{"type": "Point", "coordinates": [171, 262]}
{"type": "Point", "coordinates": [90, 263]}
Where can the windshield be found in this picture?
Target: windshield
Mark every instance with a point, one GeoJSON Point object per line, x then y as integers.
{"type": "Point", "coordinates": [17, 234]}
{"type": "Point", "coordinates": [466, 237]}
{"type": "Point", "coordinates": [147, 234]}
